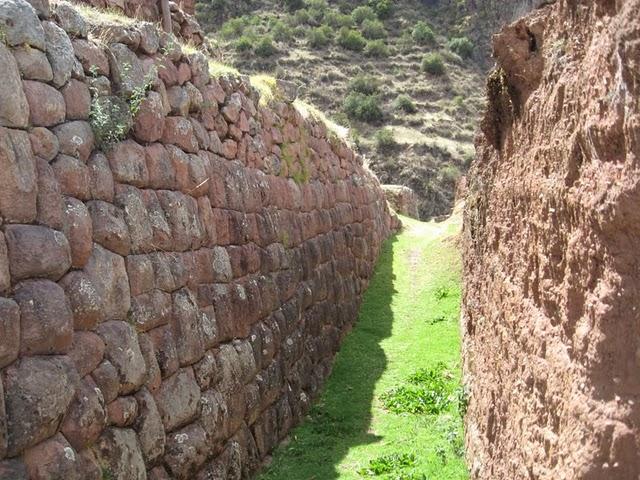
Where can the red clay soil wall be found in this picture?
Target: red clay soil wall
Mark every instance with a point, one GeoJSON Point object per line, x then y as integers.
{"type": "Point", "coordinates": [551, 241]}
{"type": "Point", "coordinates": [170, 303]}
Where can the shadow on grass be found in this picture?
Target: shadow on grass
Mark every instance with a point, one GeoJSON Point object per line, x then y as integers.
{"type": "Point", "coordinates": [341, 417]}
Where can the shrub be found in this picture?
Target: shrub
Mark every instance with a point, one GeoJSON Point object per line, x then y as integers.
{"type": "Point", "coordinates": [244, 44]}
{"type": "Point", "coordinates": [301, 17]}
{"type": "Point", "coordinates": [432, 63]}
{"type": "Point", "coordinates": [365, 84]}
{"type": "Point", "coordinates": [404, 103]}
{"type": "Point", "coordinates": [373, 29]}
{"type": "Point", "coordinates": [422, 33]}
{"type": "Point", "coordinates": [317, 38]}
{"type": "Point", "coordinates": [265, 47]}
{"type": "Point", "coordinates": [383, 8]}
{"type": "Point", "coordinates": [362, 13]}
{"type": "Point", "coordinates": [376, 48]}
{"type": "Point", "coordinates": [280, 31]}
{"type": "Point", "coordinates": [293, 4]}
{"type": "Point", "coordinates": [462, 46]}
{"type": "Point", "coordinates": [365, 108]}
{"type": "Point", "coordinates": [337, 19]}
{"type": "Point", "coordinates": [385, 140]}
{"type": "Point", "coordinates": [351, 40]}
{"type": "Point", "coordinates": [233, 28]}
{"type": "Point", "coordinates": [390, 464]}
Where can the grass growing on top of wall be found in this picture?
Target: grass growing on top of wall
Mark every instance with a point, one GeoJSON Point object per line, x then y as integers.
{"type": "Point", "coordinates": [406, 340]}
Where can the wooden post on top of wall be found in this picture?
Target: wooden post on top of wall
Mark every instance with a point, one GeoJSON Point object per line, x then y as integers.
{"type": "Point", "coordinates": [166, 16]}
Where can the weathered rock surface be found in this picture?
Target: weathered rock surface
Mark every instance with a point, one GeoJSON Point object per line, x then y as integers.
{"type": "Point", "coordinates": [156, 289]}
{"type": "Point", "coordinates": [551, 241]}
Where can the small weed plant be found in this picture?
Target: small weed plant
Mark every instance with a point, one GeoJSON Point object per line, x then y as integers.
{"type": "Point", "coordinates": [351, 39]}
{"type": "Point", "coordinates": [373, 29]}
{"type": "Point", "coordinates": [376, 49]}
{"type": "Point", "coordinates": [265, 47]}
{"type": "Point", "coordinates": [365, 108]}
{"type": "Point", "coordinates": [393, 463]}
{"type": "Point", "coordinates": [362, 13]}
{"type": "Point", "coordinates": [405, 104]}
{"type": "Point", "coordinates": [385, 141]}
{"type": "Point", "coordinates": [365, 84]}
{"type": "Point", "coordinates": [462, 46]}
{"type": "Point", "coordinates": [433, 64]}
{"type": "Point", "coordinates": [422, 34]}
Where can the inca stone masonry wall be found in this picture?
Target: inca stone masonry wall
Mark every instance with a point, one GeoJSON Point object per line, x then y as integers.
{"type": "Point", "coordinates": [169, 305]}
{"type": "Point", "coordinates": [551, 242]}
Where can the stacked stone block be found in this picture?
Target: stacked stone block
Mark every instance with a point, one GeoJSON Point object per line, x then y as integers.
{"type": "Point", "coordinates": [171, 303]}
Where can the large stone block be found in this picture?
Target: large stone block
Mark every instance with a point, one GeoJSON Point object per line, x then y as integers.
{"type": "Point", "coordinates": [91, 56]}
{"type": "Point", "coordinates": [86, 417]}
{"type": "Point", "coordinates": [118, 451]}
{"type": "Point", "coordinates": [109, 227]}
{"type": "Point", "coordinates": [87, 352]}
{"type": "Point", "coordinates": [73, 176]}
{"type": "Point", "coordinates": [132, 202]}
{"type": "Point", "coordinates": [36, 251]}
{"type": "Point", "coordinates": [100, 178]}
{"type": "Point", "coordinates": [44, 143]}
{"type": "Point", "coordinates": [20, 24]}
{"type": "Point", "coordinates": [75, 139]}
{"type": "Point", "coordinates": [38, 391]}
{"type": "Point", "coordinates": [181, 212]}
{"type": "Point", "coordinates": [49, 200]}
{"type": "Point", "coordinates": [70, 20]}
{"type": "Point", "coordinates": [149, 427]}
{"type": "Point", "coordinates": [186, 327]}
{"type": "Point", "coordinates": [107, 272]}
{"type": "Point", "coordinates": [148, 124]}
{"type": "Point", "coordinates": [178, 399]}
{"type": "Point", "coordinates": [126, 69]}
{"type": "Point", "coordinates": [14, 109]}
{"type": "Point", "coordinates": [59, 52]}
{"type": "Point", "coordinates": [128, 163]}
{"type": "Point", "coordinates": [165, 350]}
{"type": "Point", "coordinates": [123, 351]}
{"type": "Point", "coordinates": [77, 98]}
{"type": "Point", "coordinates": [178, 131]}
{"type": "Point", "coordinates": [46, 104]}
{"type": "Point", "coordinates": [46, 321]}
{"type": "Point", "coordinates": [18, 184]}
{"type": "Point", "coordinates": [5, 276]}
{"type": "Point", "coordinates": [78, 229]}
{"type": "Point", "coordinates": [84, 299]}
{"type": "Point", "coordinates": [106, 377]}
{"type": "Point", "coordinates": [186, 451]}
{"type": "Point", "coordinates": [150, 310]}
{"type": "Point", "coordinates": [53, 458]}
{"type": "Point", "coordinates": [9, 331]}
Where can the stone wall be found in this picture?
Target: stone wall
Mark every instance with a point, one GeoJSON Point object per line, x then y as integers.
{"type": "Point", "coordinates": [551, 242]}
{"type": "Point", "coordinates": [402, 199]}
{"type": "Point", "coordinates": [178, 262]}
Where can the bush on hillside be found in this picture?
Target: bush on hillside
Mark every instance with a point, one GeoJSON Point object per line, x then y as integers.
{"type": "Point", "coordinates": [317, 38]}
{"type": "Point", "coordinates": [337, 19]}
{"type": "Point", "coordinates": [383, 8]}
{"type": "Point", "coordinates": [422, 34]}
{"type": "Point", "coordinates": [462, 46]}
{"type": "Point", "coordinates": [362, 13]}
{"type": "Point", "coordinates": [351, 39]}
{"type": "Point", "coordinates": [233, 28]}
{"type": "Point", "coordinates": [293, 4]}
{"type": "Point", "coordinates": [365, 84]}
{"type": "Point", "coordinates": [265, 47]}
{"type": "Point", "coordinates": [376, 49]}
{"type": "Point", "coordinates": [301, 17]}
{"type": "Point", "coordinates": [373, 29]}
{"type": "Point", "coordinates": [280, 31]}
{"type": "Point", "coordinates": [365, 108]}
{"type": "Point", "coordinates": [243, 44]}
{"type": "Point", "coordinates": [404, 103]}
{"type": "Point", "coordinates": [385, 141]}
{"type": "Point", "coordinates": [432, 63]}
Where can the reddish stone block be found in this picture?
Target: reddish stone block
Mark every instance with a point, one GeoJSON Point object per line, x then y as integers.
{"type": "Point", "coordinates": [154, 376]}
{"type": "Point", "coordinates": [9, 331]}
{"type": "Point", "coordinates": [167, 71]}
{"type": "Point", "coordinates": [38, 392]}
{"type": "Point", "coordinates": [123, 351]}
{"type": "Point", "coordinates": [18, 183]}
{"type": "Point", "coordinates": [122, 412]}
{"type": "Point", "coordinates": [127, 160]}
{"type": "Point", "coordinates": [33, 64]}
{"type": "Point", "coordinates": [136, 216]}
{"type": "Point", "coordinates": [184, 73]}
{"type": "Point", "coordinates": [162, 239]}
{"type": "Point", "coordinates": [150, 310]}
{"type": "Point", "coordinates": [179, 131]}
{"type": "Point", "coordinates": [44, 143]}
{"type": "Point", "coordinates": [165, 350]}
{"type": "Point", "coordinates": [92, 57]}
{"type": "Point", "coordinates": [84, 299]}
{"type": "Point", "coordinates": [106, 377]}
{"type": "Point", "coordinates": [181, 212]}
{"type": "Point", "coordinates": [109, 227]}
{"type": "Point", "coordinates": [75, 139]}
{"type": "Point", "coordinates": [229, 149]}
{"type": "Point", "coordinates": [87, 351]}
{"type": "Point", "coordinates": [46, 322]}
{"type": "Point", "coordinates": [78, 230]}
{"type": "Point", "coordinates": [53, 458]}
{"type": "Point", "coordinates": [73, 176]}
{"type": "Point", "coordinates": [149, 428]}
{"type": "Point", "coordinates": [140, 273]}
{"type": "Point", "coordinates": [46, 104]}
{"type": "Point", "coordinates": [178, 399]}
{"type": "Point", "coordinates": [148, 123]}
{"type": "Point", "coordinates": [107, 272]}
{"type": "Point", "coordinates": [160, 167]}
{"type": "Point", "coordinates": [49, 200]}
{"type": "Point", "coordinates": [100, 178]}
{"type": "Point", "coordinates": [77, 99]}
{"type": "Point", "coordinates": [186, 451]}
{"type": "Point", "coordinates": [118, 451]}
{"type": "Point", "coordinates": [35, 251]}
{"type": "Point", "coordinates": [185, 324]}
{"type": "Point", "coordinates": [206, 219]}
{"type": "Point", "coordinates": [86, 417]}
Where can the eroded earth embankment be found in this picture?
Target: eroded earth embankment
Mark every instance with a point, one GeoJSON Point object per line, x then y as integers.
{"type": "Point", "coordinates": [551, 238]}
{"type": "Point", "coordinates": [178, 262]}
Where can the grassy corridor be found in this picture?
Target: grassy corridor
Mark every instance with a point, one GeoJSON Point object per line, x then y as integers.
{"type": "Point", "coordinates": [406, 341]}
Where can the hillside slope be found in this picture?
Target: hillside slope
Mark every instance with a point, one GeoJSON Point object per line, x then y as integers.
{"type": "Point", "coordinates": [413, 118]}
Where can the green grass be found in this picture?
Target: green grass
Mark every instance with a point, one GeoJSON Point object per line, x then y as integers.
{"type": "Point", "coordinates": [349, 434]}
